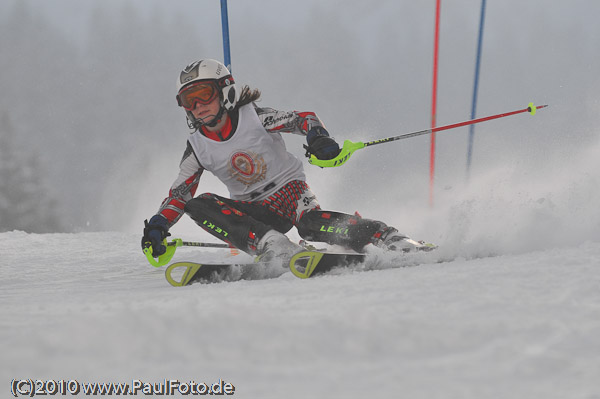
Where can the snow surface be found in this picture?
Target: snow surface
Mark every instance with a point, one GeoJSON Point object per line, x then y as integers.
{"type": "Point", "coordinates": [507, 307]}
{"type": "Point", "coordinates": [89, 307]}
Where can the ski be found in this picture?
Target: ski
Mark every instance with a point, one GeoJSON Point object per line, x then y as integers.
{"type": "Point", "coordinates": [304, 264]}
{"type": "Point", "coordinates": [192, 272]}
{"type": "Point", "coordinates": [307, 264]}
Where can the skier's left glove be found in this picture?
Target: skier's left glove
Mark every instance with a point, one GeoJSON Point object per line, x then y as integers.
{"type": "Point", "coordinates": [155, 232]}
{"type": "Point", "coordinates": [320, 144]}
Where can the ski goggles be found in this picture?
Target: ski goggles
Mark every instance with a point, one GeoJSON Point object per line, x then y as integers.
{"type": "Point", "coordinates": [197, 93]}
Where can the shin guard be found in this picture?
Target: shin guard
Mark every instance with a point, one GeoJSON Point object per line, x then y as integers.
{"type": "Point", "coordinates": [221, 219]}
{"type": "Point", "coordinates": [351, 231]}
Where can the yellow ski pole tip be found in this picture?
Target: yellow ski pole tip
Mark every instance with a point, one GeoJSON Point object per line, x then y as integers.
{"type": "Point", "coordinates": [531, 108]}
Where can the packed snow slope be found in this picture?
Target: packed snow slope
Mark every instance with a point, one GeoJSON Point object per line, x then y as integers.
{"type": "Point", "coordinates": [88, 307]}
{"type": "Point", "coordinates": [507, 307]}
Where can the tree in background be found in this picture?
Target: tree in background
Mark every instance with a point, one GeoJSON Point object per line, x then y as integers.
{"type": "Point", "coordinates": [25, 204]}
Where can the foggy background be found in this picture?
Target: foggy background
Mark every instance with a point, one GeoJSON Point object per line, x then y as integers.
{"type": "Point", "coordinates": [91, 136]}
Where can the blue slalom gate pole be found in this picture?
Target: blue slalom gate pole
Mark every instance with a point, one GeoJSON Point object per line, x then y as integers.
{"type": "Point", "coordinates": [225, 28]}
{"type": "Point", "coordinates": [475, 88]}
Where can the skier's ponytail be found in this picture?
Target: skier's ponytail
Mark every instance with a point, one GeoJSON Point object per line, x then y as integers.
{"type": "Point", "coordinates": [247, 96]}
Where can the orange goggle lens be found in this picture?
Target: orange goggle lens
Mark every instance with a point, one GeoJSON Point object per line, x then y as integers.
{"type": "Point", "coordinates": [201, 92]}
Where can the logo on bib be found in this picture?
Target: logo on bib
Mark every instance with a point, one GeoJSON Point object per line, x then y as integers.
{"type": "Point", "coordinates": [247, 167]}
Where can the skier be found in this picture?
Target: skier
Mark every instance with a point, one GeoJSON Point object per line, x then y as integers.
{"type": "Point", "coordinates": [242, 145]}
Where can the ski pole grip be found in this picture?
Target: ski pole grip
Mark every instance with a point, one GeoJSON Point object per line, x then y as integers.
{"type": "Point", "coordinates": [347, 150]}
{"type": "Point", "coordinates": [167, 256]}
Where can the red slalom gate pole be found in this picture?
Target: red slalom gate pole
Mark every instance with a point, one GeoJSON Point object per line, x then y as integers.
{"type": "Point", "coordinates": [434, 100]}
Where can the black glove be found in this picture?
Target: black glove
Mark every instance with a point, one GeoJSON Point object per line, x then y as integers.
{"type": "Point", "coordinates": [320, 144]}
{"type": "Point", "coordinates": [155, 232]}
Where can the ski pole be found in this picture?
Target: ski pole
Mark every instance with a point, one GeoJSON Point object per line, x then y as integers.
{"type": "Point", "coordinates": [198, 244]}
{"type": "Point", "coordinates": [349, 146]}
{"type": "Point", "coordinates": [172, 246]}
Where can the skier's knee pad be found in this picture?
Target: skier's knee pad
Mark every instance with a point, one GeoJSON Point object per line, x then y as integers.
{"type": "Point", "coordinates": [202, 205]}
{"type": "Point", "coordinates": [339, 228]}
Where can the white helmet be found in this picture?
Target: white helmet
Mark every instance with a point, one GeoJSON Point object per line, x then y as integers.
{"type": "Point", "coordinates": [212, 71]}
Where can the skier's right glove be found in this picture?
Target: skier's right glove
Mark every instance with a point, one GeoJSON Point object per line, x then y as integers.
{"type": "Point", "coordinates": [155, 232]}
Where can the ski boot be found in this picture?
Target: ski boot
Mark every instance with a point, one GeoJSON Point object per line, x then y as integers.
{"type": "Point", "coordinates": [392, 240]}
{"type": "Point", "coordinates": [275, 248]}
